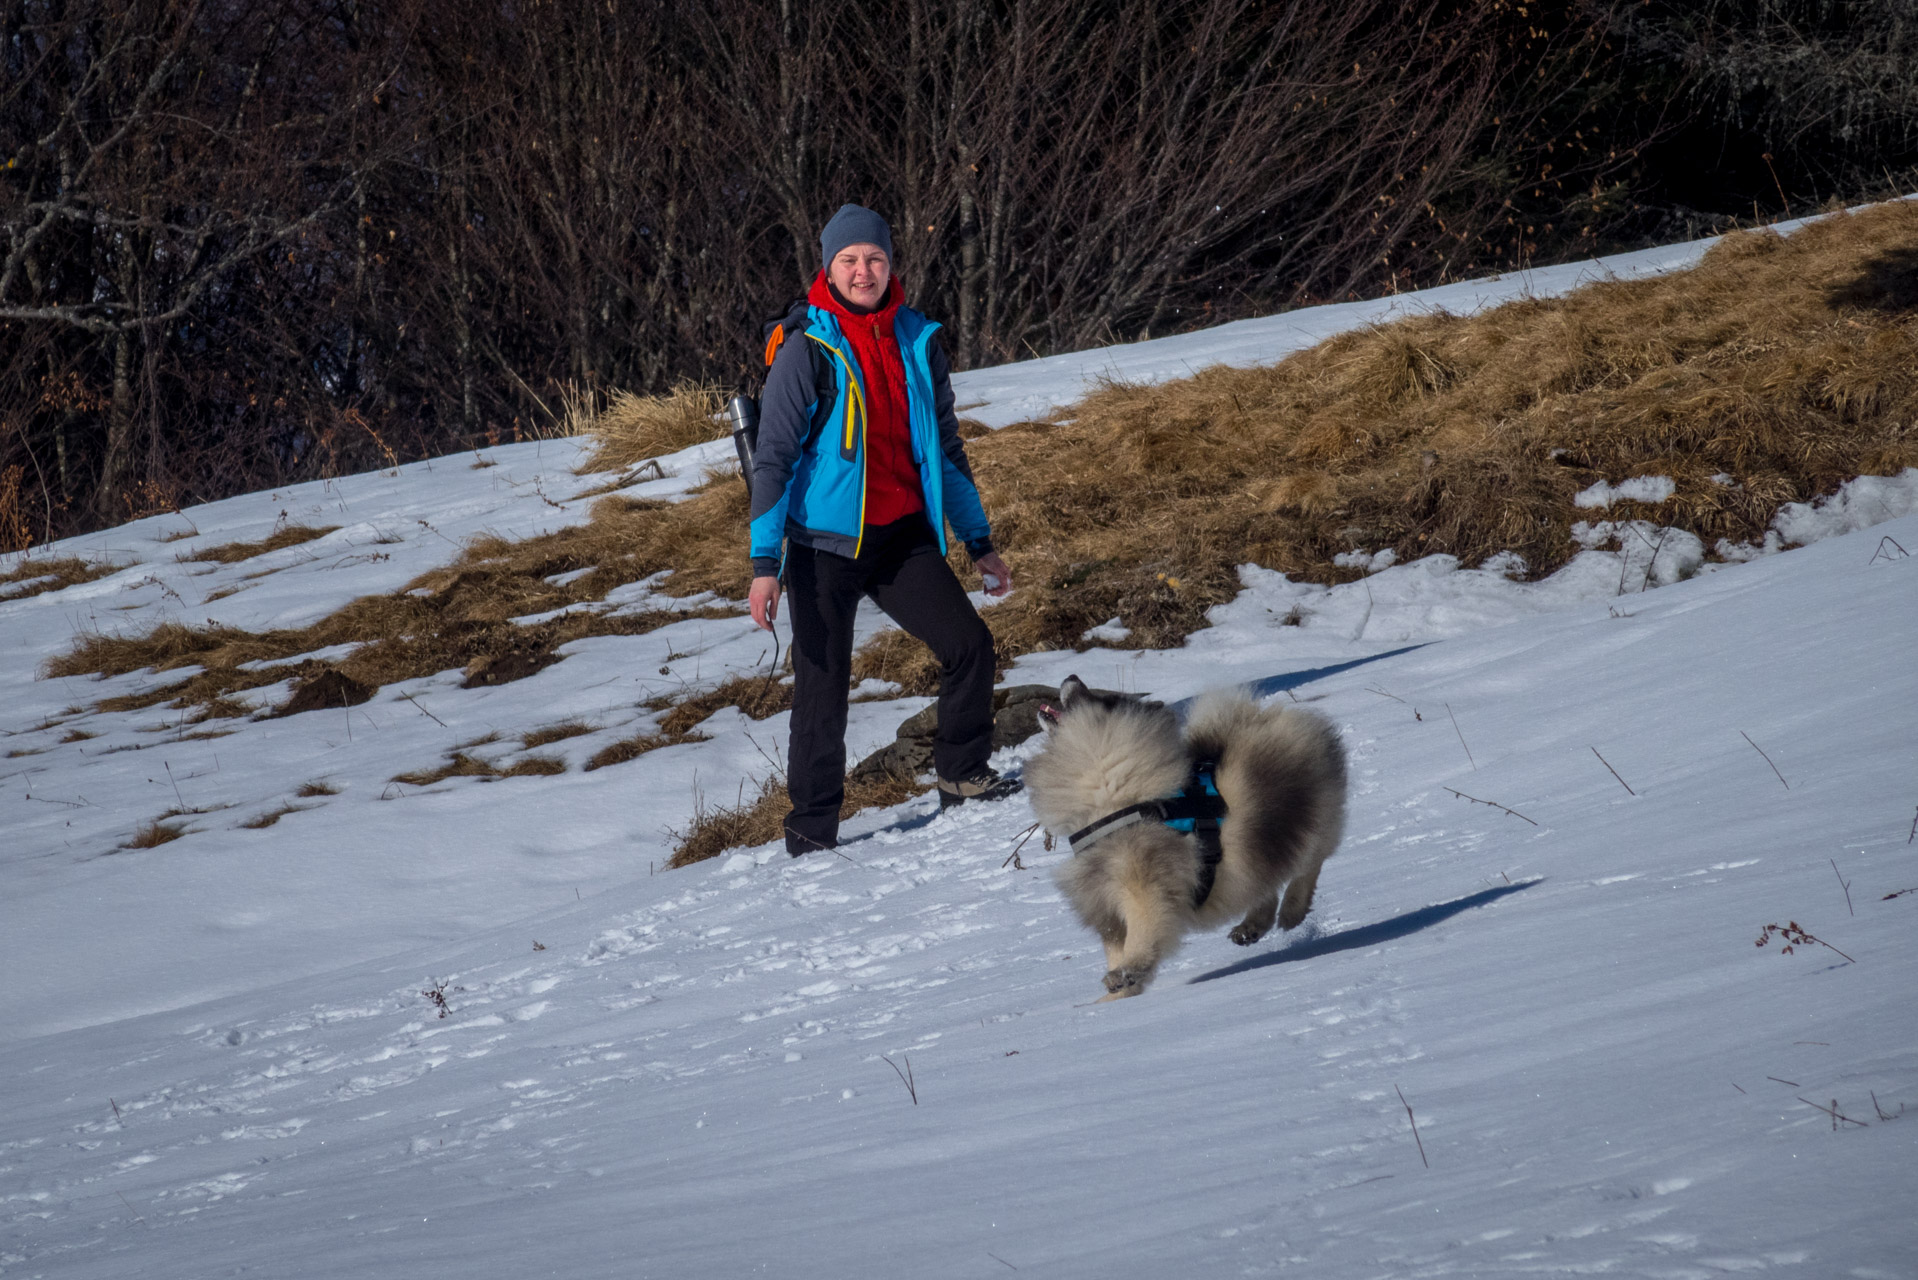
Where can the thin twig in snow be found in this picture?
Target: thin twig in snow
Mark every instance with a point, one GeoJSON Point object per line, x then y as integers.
{"type": "Point", "coordinates": [905, 1077]}
{"type": "Point", "coordinates": [1761, 751]}
{"type": "Point", "coordinates": [1882, 552]}
{"type": "Point", "coordinates": [1899, 894]}
{"type": "Point", "coordinates": [1835, 1114]}
{"type": "Point", "coordinates": [1735, 1086]}
{"type": "Point", "coordinates": [1608, 768]}
{"type": "Point", "coordinates": [117, 1117]}
{"type": "Point", "coordinates": [1796, 935]}
{"type": "Point", "coordinates": [176, 785]}
{"type": "Point", "coordinates": [1843, 883]}
{"type": "Point", "coordinates": [1461, 737]}
{"type": "Point", "coordinates": [1495, 804]}
{"type": "Point", "coordinates": [423, 711]}
{"type": "Point", "coordinates": [1012, 859]}
{"type": "Point", "coordinates": [1793, 1083]}
{"type": "Point", "coordinates": [1001, 1261]}
{"type": "Point", "coordinates": [1415, 1126]}
{"type": "Point", "coordinates": [1914, 829]}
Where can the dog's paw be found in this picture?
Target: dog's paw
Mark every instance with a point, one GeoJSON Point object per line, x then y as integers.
{"type": "Point", "coordinates": [1120, 995]}
{"type": "Point", "coordinates": [1123, 982]}
{"type": "Point", "coordinates": [1245, 935]}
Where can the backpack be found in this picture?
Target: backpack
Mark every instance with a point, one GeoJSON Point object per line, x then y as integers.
{"type": "Point", "coordinates": [744, 409]}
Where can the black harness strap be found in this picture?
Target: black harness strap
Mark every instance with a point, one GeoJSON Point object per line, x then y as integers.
{"type": "Point", "coordinates": [1198, 809]}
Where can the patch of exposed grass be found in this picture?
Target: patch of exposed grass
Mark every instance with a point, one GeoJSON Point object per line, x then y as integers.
{"type": "Point", "coordinates": [466, 624]}
{"type": "Point", "coordinates": [1787, 365]}
{"type": "Point", "coordinates": [462, 765]}
{"type": "Point", "coordinates": [317, 787]}
{"type": "Point", "coordinates": [762, 817]}
{"type": "Point", "coordinates": [77, 735]}
{"type": "Point", "coordinates": [628, 429]}
{"type": "Point", "coordinates": [555, 733]}
{"type": "Point", "coordinates": [291, 535]}
{"type": "Point", "coordinates": [261, 821]}
{"type": "Point", "coordinates": [34, 577]}
{"type": "Point", "coordinates": [756, 696]}
{"type": "Point", "coordinates": [634, 747]}
{"type": "Point", "coordinates": [152, 835]}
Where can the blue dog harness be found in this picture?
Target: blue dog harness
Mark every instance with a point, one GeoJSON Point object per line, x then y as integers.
{"type": "Point", "coordinates": [1197, 810]}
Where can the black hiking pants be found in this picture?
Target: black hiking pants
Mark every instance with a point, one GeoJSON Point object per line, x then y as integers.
{"type": "Point", "coordinates": [900, 569]}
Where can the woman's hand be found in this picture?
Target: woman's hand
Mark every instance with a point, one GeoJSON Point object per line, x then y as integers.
{"type": "Point", "coordinates": [764, 599]}
{"type": "Point", "coordinates": [998, 578]}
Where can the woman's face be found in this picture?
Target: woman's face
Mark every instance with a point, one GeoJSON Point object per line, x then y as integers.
{"type": "Point", "coordinates": [861, 273]}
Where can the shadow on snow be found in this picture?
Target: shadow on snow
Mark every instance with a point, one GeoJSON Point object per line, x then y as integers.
{"type": "Point", "coordinates": [1370, 935]}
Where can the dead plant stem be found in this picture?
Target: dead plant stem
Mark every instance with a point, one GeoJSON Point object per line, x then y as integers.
{"type": "Point", "coordinates": [1608, 768]}
{"type": "Point", "coordinates": [1761, 751]}
{"type": "Point", "coordinates": [1495, 804]}
{"type": "Point", "coordinates": [1461, 738]}
{"type": "Point", "coordinates": [1415, 1126]}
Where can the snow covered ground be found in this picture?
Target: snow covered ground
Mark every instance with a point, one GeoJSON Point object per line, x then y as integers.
{"type": "Point", "coordinates": [220, 1057]}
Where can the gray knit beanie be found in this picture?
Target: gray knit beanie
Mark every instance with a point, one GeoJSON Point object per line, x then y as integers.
{"type": "Point", "coordinates": [854, 224]}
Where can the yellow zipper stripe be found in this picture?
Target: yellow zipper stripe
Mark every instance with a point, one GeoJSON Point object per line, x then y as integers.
{"type": "Point", "coordinates": [855, 401]}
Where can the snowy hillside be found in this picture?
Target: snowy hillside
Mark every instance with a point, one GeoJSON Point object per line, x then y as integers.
{"type": "Point", "coordinates": [221, 1055]}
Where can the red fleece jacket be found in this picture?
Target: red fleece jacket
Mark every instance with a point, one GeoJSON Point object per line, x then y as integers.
{"type": "Point", "coordinates": [892, 478]}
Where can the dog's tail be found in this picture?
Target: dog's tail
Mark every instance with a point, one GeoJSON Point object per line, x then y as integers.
{"type": "Point", "coordinates": [1281, 772]}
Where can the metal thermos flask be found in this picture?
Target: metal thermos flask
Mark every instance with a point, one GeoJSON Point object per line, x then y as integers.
{"type": "Point", "coordinates": [744, 412]}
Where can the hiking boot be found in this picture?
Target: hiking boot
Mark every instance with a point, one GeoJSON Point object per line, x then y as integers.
{"type": "Point", "coordinates": [798, 846]}
{"type": "Point", "coordinates": [984, 785]}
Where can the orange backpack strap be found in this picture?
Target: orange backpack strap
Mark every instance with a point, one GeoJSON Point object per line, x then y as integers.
{"type": "Point", "coordinates": [774, 341]}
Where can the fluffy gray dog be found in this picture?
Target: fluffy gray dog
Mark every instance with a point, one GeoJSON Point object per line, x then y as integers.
{"type": "Point", "coordinates": [1175, 832]}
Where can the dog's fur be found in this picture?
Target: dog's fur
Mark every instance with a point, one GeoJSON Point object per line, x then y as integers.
{"type": "Point", "coordinates": [1280, 770]}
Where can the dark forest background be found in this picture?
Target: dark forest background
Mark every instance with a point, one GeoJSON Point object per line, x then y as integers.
{"type": "Point", "coordinates": [254, 241]}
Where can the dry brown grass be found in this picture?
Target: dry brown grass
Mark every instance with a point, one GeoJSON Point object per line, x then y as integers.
{"type": "Point", "coordinates": [462, 765]}
{"type": "Point", "coordinates": [464, 624]}
{"type": "Point", "coordinates": [1789, 364]}
{"type": "Point", "coordinates": [628, 429]}
{"type": "Point", "coordinates": [50, 575]}
{"type": "Point", "coordinates": [761, 818]}
{"type": "Point", "coordinates": [554, 733]}
{"type": "Point", "coordinates": [291, 535]}
{"type": "Point", "coordinates": [261, 821]}
{"type": "Point", "coordinates": [756, 696]}
{"type": "Point", "coordinates": [634, 747]}
{"type": "Point", "coordinates": [151, 835]}
{"type": "Point", "coordinates": [310, 790]}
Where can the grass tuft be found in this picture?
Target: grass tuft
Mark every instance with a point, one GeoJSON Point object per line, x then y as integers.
{"type": "Point", "coordinates": [153, 834]}
{"type": "Point", "coordinates": [259, 822]}
{"type": "Point", "coordinates": [628, 429]}
{"type": "Point", "coordinates": [291, 535]}
{"type": "Point", "coordinates": [462, 765]}
{"type": "Point", "coordinates": [762, 818]}
{"type": "Point", "coordinates": [555, 733]}
{"type": "Point", "coordinates": [318, 787]}
{"type": "Point", "coordinates": [34, 577]}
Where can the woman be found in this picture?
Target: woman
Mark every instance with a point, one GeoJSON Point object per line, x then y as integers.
{"type": "Point", "coordinates": [857, 487]}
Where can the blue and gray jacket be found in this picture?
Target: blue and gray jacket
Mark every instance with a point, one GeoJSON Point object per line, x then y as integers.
{"type": "Point", "coordinates": [809, 468]}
